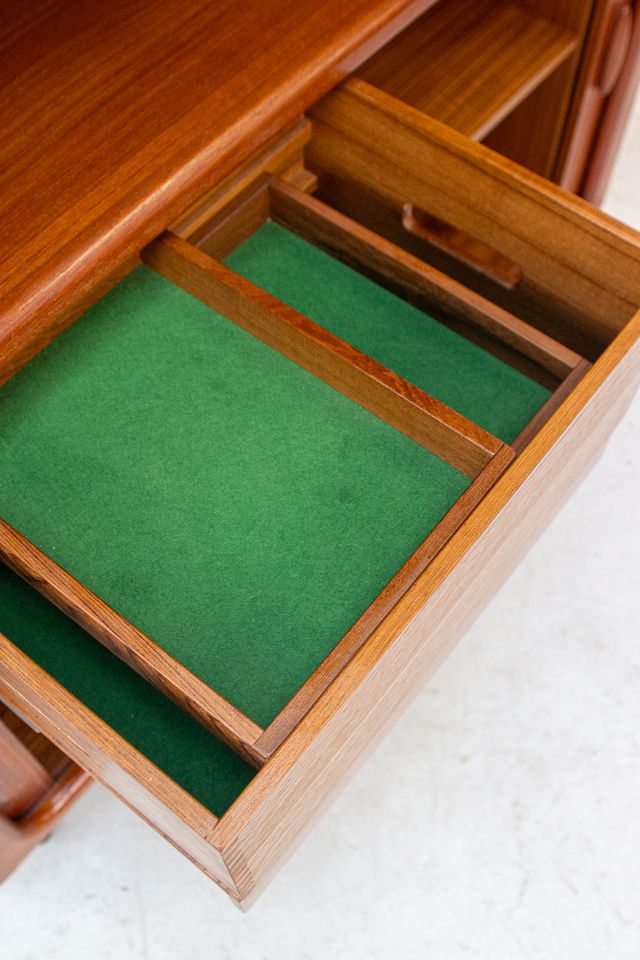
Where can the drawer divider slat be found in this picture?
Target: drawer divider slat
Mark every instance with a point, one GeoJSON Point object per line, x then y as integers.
{"type": "Point", "coordinates": [138, 651]}
{"type": "Point", "coordinates": [332, 230]}
{"type": "Point", "coordinates": [404, 406]}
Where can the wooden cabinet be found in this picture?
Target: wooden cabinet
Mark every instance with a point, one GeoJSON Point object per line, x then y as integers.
{"type": "Point", "coordinates": [256, 493]}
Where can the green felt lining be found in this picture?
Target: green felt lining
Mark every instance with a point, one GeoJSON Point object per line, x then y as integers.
{"type": "Point", "coordinates": [182, 748]}
{"type": "Point", "coordinates": [232, 506]}
{"type": "Point", "coordinates": [235, 508]}
{"type": "Point", "coordinates": [397, 334]}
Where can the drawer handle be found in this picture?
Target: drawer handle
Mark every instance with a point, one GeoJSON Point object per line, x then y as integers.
{"type": "Point", "coordinates": [616, 48]}
{"type": "Point", "coordinates": [460, 245]}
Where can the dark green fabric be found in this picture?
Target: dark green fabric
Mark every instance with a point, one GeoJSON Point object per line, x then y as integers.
{"type": "Point", "coordinates": [403, 338]}
{"type": "Point", "coordinates": [232, 506]}
{"type": "Point", "coordinates": [167, 736]}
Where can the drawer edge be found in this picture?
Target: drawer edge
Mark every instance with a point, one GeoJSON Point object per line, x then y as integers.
{"type": "Point", "coordinates": [261, 828]}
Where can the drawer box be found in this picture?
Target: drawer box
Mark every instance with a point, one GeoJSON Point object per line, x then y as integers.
{"type": "Point", "coordinates": [551, 287]}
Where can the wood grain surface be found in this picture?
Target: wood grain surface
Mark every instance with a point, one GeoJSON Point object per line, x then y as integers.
{"type": "Point", "coordinates": [116, 117]}
{"type": "Point", "coordinates": [121, 119]}
{"type": "Point", "coordinates": [579, 266]}
{"type": "Point", "coordinates": [45, 752]}
{"type": "Point", "coordinates": [23, 779]}
{"type": "Point", "coordinates": [286, 797]}
{"type": "Point", "coordinates": [97, 748]}
{"type": "Point", "coordinates": [39, 782]}
{"type": "Point", "coordinates": [19, 837]}
{"type": "Point", "coordinates": [470, 62]}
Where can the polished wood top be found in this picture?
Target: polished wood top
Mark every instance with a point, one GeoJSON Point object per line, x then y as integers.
{"type": "Point", "coordinates": [119, 114]}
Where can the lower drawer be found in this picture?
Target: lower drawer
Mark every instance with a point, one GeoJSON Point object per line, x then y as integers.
{"type": "Point", "coordinates": [282, 524]}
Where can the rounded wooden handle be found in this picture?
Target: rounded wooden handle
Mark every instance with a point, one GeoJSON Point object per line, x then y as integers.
{"type": "Point", "coordinates": [616, 48]}
{"type": "Point", "coordinates": [461, 246]}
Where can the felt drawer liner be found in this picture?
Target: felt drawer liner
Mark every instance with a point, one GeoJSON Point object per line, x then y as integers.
{"type": "Point", "coordinates": [231, 505]}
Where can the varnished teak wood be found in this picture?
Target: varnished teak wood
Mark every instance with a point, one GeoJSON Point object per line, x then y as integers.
{"type": "Point", "coordinates": [23, 779]}
{"type": "Point", "coordinates": [41, 749]}
{"type": "Point", "coordinates": [339, 234]}
{"type": "Point", "coordinates": [470, 251]}
{"type": "Point", "coordinates": [120, 117]}
{"type": "Point", "coordinates": [19, 837]}
{"type": "Point", "coordinates": [578, 265]}
{"type": "Point", "coordinates": [38, 784]}
{"type": "Point", "coordinates": [545, 109]}
{"type": "Point", "coordinates": [468, 63]}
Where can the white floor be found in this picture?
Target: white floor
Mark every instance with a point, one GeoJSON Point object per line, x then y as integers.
{"type": "Point", "coordinates": [500, 818]}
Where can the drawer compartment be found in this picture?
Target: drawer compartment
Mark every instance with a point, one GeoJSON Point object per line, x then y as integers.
{"type": "Point", "coordinates": [356, 540]}
{"type": "Point", "coordinates": [225, 501]}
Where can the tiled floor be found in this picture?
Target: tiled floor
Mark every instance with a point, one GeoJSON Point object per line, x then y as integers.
{"type": "Point", "coordinates": [498, 820]}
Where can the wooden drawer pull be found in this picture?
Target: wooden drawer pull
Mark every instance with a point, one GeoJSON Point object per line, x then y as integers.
{"type": "Point", "coordinates": [465, 248]}
{"type": "Point", "coordinates": [616, 48]}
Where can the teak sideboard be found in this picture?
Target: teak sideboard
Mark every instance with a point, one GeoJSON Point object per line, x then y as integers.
{"type": "Point", "coordinates": [308, 327]}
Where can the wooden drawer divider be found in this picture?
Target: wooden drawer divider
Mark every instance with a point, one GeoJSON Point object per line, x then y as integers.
{"type": "Point", "coordinates": [415, 413]}
{"type": "Point", "coordinates": [559, 367]}
{"type": "Point", "coordinates": [551, 362]}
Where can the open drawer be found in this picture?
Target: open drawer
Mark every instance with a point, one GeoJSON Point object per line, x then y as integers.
{"type": "Point", "coordinates": [281, 524]}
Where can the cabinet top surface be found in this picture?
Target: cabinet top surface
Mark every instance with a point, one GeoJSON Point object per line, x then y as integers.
{"type": "Point", "coordinates": [116, 115]}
